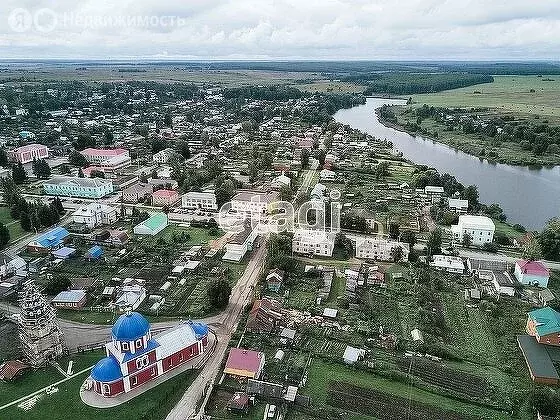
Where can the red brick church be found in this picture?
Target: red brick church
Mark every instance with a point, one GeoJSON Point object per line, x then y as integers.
{"type": "Point", "coordinates": [134, 357]}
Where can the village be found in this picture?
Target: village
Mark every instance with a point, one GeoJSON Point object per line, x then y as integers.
{"type": "Point", "coordinates": [403, 294]}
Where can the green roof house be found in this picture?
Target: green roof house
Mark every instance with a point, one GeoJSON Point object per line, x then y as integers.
{"type": "Point", "coordinates": [544, 325]}
{"type": "Point", "coordinates": [153, 225]}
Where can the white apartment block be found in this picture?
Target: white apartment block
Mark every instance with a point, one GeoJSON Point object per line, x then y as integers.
{"type": "Point", "coordinates": [199, 200]}
{"type": "Point", "coordinates": [253, 202]}
{"type": "Point", "coordinates": [480, 228]}
{"type": "Point", "coordinates": [164, 155]}
{"type": "Point", "coordinates": [448, 263]}
{"type": "Point", "coordinates": [316, 242]}
{"type": "Point", "coordinates": [379, 249]}
{"type": "Point", "coordinates": [95, 214]}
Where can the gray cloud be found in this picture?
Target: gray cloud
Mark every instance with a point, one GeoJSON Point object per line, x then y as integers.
{"type": "Point", "coordinates": [284, 29]}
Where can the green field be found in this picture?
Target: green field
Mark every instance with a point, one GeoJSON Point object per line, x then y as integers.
{"type": "Point", "coordinates": [67, 405]}
{"type": "Point", "coordinates": [510, 94]}
{"type": "Point", "coordinates": [330, 86]}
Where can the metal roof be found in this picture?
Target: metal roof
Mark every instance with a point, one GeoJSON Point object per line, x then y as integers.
{"type": "Point", "coordinates": [70, 296]}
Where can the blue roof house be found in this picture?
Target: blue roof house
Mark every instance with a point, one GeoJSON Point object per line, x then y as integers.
{"type": "Point", "coordinates": [53, 239]}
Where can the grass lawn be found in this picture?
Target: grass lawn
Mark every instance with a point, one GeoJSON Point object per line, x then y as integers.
{"type": "Point", "coordinates": [507, 93]}
{"type": "Point", "coordinates": [13, 225]}
{"type": "Point", "coordinates": [67, 405]}
{"type": "Point", "coordinates": [321, 373]}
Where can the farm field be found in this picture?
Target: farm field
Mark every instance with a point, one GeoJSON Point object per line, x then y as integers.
{"type": "Point", "coordinates": [509, 94]}
{"type": "Point", "coordinates": [323, 376]}
{"type": "Point", "coordinates": [330, 86]}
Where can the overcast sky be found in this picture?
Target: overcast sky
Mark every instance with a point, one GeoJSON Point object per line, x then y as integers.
{"type": "Point", "coordinates": [282, 29]}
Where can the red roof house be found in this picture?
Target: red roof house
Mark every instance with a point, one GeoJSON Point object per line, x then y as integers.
{"type": "Point", "coordinates": [164, 197]}
{"type": "Point", "coordinates": [11, 369]}
{"type": "Point", "coordinates": [244, 363]}
{"type": "Point", "coordinates": [533, 273]}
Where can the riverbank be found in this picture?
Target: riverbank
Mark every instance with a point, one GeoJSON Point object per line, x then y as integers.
{"type": "Point", "coordinates": [497, 183]}
{"type": "Point", "coordinates": [475, 144]}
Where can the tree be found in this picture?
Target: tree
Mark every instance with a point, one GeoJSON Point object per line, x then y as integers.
{"type": "Point", "coordinates": [397, 254]}
{"type": "Point", "coordinates": [218, 293]}
{"type": "Point", "coordinates": [81, 173]}
{"type": "Point", "coordinates": [467, 240]}
{"type": "Point", "coordinates": [4, 235]}
{"type": "Point", "coordinates": [108, 137]}
{"type": "Point", "coordinates": [168, 120]}
{"type": "Point", "coordinates": [433, 244]}
{"type": "Point", "coordinates": [549, 240]}
{"type": "Point", "coordinates": [41, 169]}
{"type": "Point", "coordinates": [64, 169]}
{"type": "Point", "coordinates": [343, 245]}
{"type": "Point", "coordinates": [286, 193]}
{"type": "Point", "coordinates": [25, 221]}
{"type": "Point", "coordinates": [394, 230]}
{"type": "Point", "coordinates": [304, 158]}
{"type": "Point", "coordinates": [471, 193]}
{"type": "Point", "coordinates": [75, 158]}
{"type": "Point", "coordinates": [183, 149]}
{"type": "Point", "coordinates": [409, 237]}
{"type": "Point", "coordinates": [321, 154]}
{"type": "Point", "coordinates": [224, 192]}
{"type": "Point", "coordinates": [96, 173]}
{"type": "Point", "coordinates": [57, 284]}
{"type": "Point", "coordinates": [3, 158]}
{"type": "Point", "coordinates": [19, 175]}
{"type": "Point", "coordinates": [382, 170]}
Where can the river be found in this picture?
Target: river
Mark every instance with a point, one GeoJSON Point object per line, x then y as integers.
{"type": "Point", "coordinates": [528, 196]}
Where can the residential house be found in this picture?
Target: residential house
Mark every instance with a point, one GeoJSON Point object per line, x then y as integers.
{"type": "Point", "coordinates": [434, 193]}
{"type": "Point", "coordinates": [544, 325]}
{"type": "Point", "coordinates": [533, 273]}
{"type": "Point", "coordinates": [70, 299]}
{"type": "Point", "coordinates": [163, 156]}
{"type": "Point", "coordinates": [244, 363]}
{"type": "Point", "coordinates": [281, 181]}
{"type": "Point", "coordinates": [458, 206]}
{"type": "Point", "coordinates": [274, 279]}
{"type": "Point", "coordinates": [380, 249]}
{"type": "Point", "coordinates": [129, 296]}
{"type": "Point", "coordinates": [545, 296]}
{"type": "Point", "coordinates": [352, 355]}
{"type": "Point", "coordinates": [316, 242]}
{"type": "Point", "coordinates": [164, 198]}
{"type": "Point", "coordinates": [265, 316]}
{"type": "Point", "coordinates": [448, 263]}
{"type": "Point", "coordinates": [95, 214]}
{"type": "Point", "coordinates": [53, 239]}
{"type": "Point", "coordinates": [78, 187]}
{"type": "Point", "coordinates": [137, 193]}
{"type": "Point", "coordinates": [327, 175]}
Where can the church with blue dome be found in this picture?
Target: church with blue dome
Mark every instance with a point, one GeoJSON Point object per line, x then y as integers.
{"type": "Point", "coordinates": [134, 357]}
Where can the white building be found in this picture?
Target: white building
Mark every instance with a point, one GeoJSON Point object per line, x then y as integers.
{"type": "Point", "coordinates": [317, 242]}
{"type": "Point", "coordinates": [95, 214]}
{"type": "Point", "coordinates": [457, 205]}
{"type": "Point", "coordinates": [239, 244]}
{"type": "Point", "coordinates": [380, 249]}
{"type": "Point", "coordinates": [129, 297]}
{"type": "Point", "coordinates": [164, 155]}
{"type": "Point", "coordinates": [480, 228]}
{"type": "Point", "coordinates": [327, 175]}
{"type": "Point", "coordinates": [448, 263]}
{"type": "Point", "coordinates": [434, 193]}
{"type": "Point", "coordinates": [281, 181]}
{"type": "Point", "coordinates": [199, 200]}
{"type": "Point", "coordinates": [253, 202]}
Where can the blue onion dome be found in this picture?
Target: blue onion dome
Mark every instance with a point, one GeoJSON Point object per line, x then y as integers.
{"type": "Point", "coordinates": [130, 326]}
{"type": "Point", "coordinates": [199, 329]}
{"type": "Point", "coordinates": [106, 370]}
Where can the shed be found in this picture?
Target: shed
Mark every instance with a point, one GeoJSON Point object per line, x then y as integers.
{"type": "Point", "coordinates": [417, 335]}
{"type": "Point", "coordinates": [330, 313]}
{"type": "Point", "coordinates": [94, 253]}
{"type": "Point", "coordinates": [352, 355]}
{"type": "Point", "coordinates": [64, 252]}
{"type": "Point", "coordinates": [70, 299]}
{"type": "Point", "coordinates": [279, 355]}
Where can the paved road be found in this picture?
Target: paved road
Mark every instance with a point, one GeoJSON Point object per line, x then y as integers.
{"type": "Point", "coordinates": [241, 293]}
